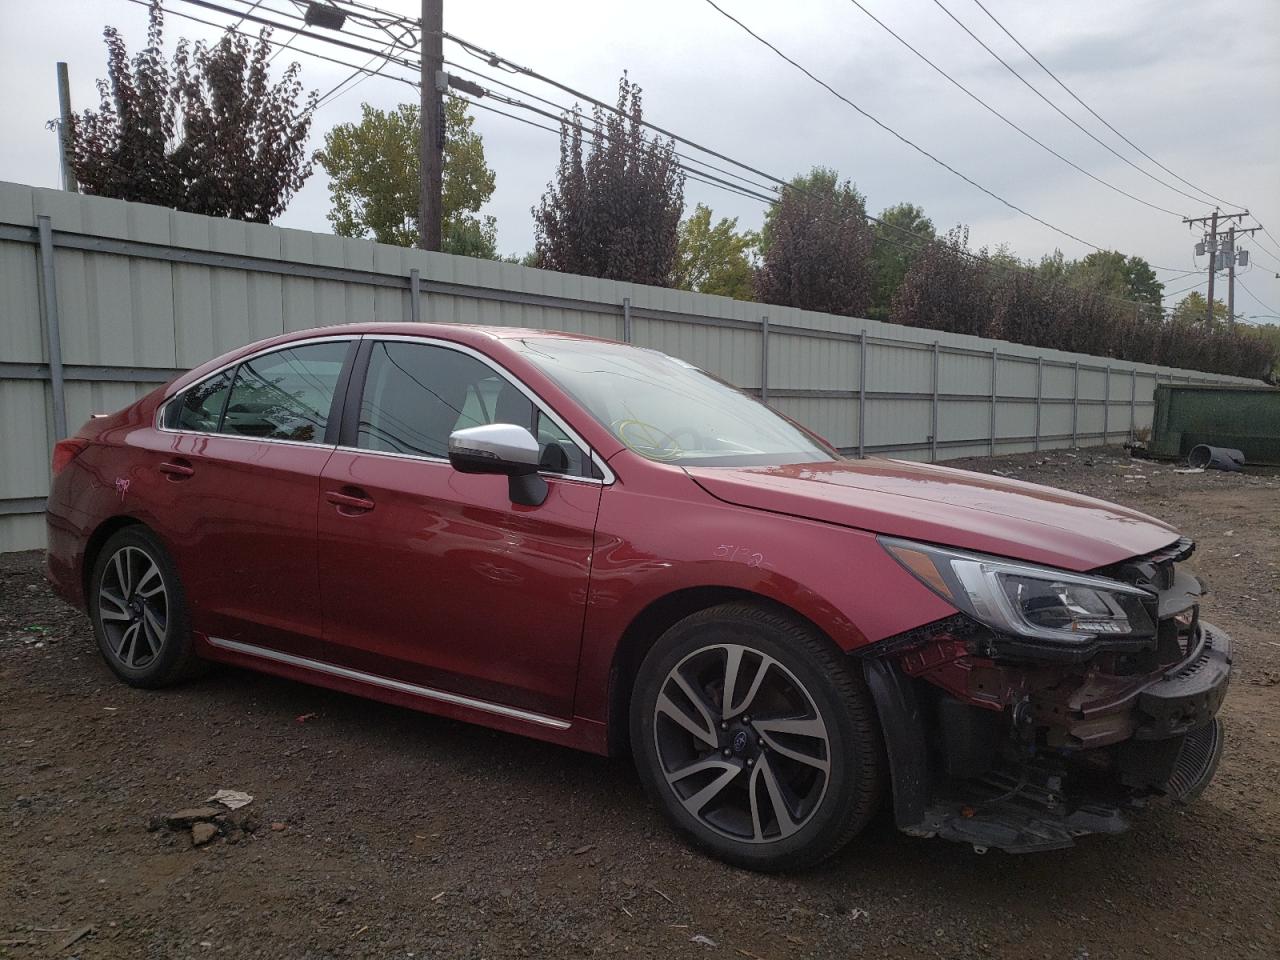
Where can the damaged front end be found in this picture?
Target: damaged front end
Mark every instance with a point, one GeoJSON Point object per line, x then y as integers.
{"type": "Point", "coordinates": [1055, 704]}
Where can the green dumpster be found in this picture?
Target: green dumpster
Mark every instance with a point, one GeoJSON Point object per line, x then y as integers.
{"type": "Point", "coordinates": [1244, 417]}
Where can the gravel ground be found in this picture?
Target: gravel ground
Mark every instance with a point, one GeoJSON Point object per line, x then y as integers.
{"type": "Point", "coordinates": [378, 832]}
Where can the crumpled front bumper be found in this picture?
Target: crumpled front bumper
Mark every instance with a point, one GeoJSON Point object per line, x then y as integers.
{"type": "Point", "coordinates": [1189, 694]}
{"type": "Point", "coordinates": [1171, 756]}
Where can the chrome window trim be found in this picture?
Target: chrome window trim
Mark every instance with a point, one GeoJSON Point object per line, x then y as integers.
{"type": "Point", "coordinates": [158, 422]}
{"type": "Point", "coordinates": [609, 476]}
{"type": "Point", "coordinates": [424, 458]}
{"type": "Point", "coordinates": [413, 689]}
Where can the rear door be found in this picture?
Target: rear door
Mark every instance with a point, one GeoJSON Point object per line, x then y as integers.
{"type": "Point", "coordinates": [436, 578]}
{"type": "Point", "coordinates": [241, 462]}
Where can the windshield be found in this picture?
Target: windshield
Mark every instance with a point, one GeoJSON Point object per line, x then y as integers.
{"type": "Point", "coordinates": [668, 410]}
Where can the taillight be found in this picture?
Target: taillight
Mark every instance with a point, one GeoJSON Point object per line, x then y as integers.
{"type": "Point", "coordinates": [64, 451]}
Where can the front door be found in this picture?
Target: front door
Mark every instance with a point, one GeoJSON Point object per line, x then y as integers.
{"type": "Point", "coordinates": [434, 577]}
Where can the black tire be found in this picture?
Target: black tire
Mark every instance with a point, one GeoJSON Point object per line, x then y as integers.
{"type": "Point", "coordinates": [836, 695]}
{"type": "Point", "coordinates": [161, 651]}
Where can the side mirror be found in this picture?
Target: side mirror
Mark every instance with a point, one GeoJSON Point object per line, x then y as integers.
{"type": "Point", "coordinates": [501, 448]}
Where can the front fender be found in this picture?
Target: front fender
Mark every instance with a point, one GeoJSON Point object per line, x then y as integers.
{"type": "Point", "coordinates": [649, 546]}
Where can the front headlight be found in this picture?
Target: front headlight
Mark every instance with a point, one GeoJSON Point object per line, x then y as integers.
{"type": "Point", "coordinates": [1026, 600]}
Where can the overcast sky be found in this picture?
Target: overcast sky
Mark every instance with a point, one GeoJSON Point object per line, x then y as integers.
{"type": "Point", "coordinates": [1195, 85]}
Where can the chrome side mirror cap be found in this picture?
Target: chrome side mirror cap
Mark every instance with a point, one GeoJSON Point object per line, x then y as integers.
{"type": "Point", "coordinates": [505, 448]}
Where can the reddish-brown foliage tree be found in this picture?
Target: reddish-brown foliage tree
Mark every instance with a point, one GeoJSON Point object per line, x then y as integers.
{"type": "Point", "coordinates": [614, 208]}
{"type": "Point", "coordinates": [208, 134]}
{"type": "Point", "coordinates": [815, 247]}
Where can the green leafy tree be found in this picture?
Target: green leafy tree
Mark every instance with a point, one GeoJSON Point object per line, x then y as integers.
{"type": "Point", "coordinates": [893, 252]}
{"type": "Point", "coordinates": [1112, 273]}
{"type": "Point", "coordinates": [209, 133]}
{"type": "Point", "coordinates": [374, 179]}
{"type": "Point", "coordinates": [614, 208]}
{"type": "Point", "coordinates": [714, 259]}
{"type": "Point", "coordinates": [1192, 308]}
{"type": "Point", "coordinates": [816, 247]}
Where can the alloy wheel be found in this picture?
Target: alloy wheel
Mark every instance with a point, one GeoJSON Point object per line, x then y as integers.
{"type": "Point", "coordinates": [133, 607]}
{"type": "Point", "coordinates": [741, 743]}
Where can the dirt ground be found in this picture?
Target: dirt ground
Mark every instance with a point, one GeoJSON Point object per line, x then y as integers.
{"type": "Point", "coordinates": [378, 832]}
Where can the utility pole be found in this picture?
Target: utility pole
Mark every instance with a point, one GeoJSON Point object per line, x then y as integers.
{"type": "Point", "coordinates": [1235, 258]}
{"type": "Point", "coordinates": [64, 130]}
{"type": "Point", "coordinates": [1213, 264]}
{"type": "Point", "coordinates": [431, 147]}
{"type": "Point", "coordinates": [1230, 251]}
{"type": "Point", "coordinates": [1210, 246]}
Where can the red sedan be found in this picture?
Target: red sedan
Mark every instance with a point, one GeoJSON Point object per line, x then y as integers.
{"type": "Point", "coordinates": [602, 546]}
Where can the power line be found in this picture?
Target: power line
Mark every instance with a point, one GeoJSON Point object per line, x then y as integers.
{"type": "Point", "coordinates": [551, 103]}
{"type": "Point", "coordinates": [688, 171]}
{"type": "Point", "coordinates": [503, 63]}
{"type": "Point", "coordinates": [1185, 289]}
{"type": "Point", "coordinates": [994, 112]}
{"type": "Point", "coordinates": [1268, 233]}
{"type": "Point", "coordinates": [494, 59]}
{"type": "Point", "coordinates": [1258, 243]}
{"type": "Point", "coordinates": [888, 129]}
{"type": "Point", "coordinates": [332, 95]}
{"type": "Point", "coordinates": [297, 31]}
{"type": "Point", "coordinates": [922, 240]}
{"type": "Point", "coordinates": [250, 36]}
{"type": "Point", "coordinates": [1070, 119]}
{"type": "Point", "coordinates": [1077, 99]}
{"type": "Point", "coordinates": [1255, 296]}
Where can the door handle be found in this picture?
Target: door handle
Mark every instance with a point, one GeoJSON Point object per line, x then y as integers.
{"type": "Point", "coordinates": [351, 503]}
{"type": "Point", "coordinates": [177, 469]}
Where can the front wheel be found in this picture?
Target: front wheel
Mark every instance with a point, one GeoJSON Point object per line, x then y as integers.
{"type": "Point", "coordinates": [755, 738]}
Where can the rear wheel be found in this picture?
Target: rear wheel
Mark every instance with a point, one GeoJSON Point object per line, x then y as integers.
{"type": "Point", "coordinates": [139, 611]}
{"type": "Point", "coordinates": [755, 738]}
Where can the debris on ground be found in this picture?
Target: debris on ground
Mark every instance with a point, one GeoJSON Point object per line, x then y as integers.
{"type": "Point", "coordinates": [703, 940]}
{"type": "Point", "coordinates": [231, 799]}
{"type": "Point", "coordinates": [1216, 458]}
{"type": "Point", "coordinates": [73, 938]}
{"type": "Point", "coordinates": [192, 815]}
{"type": "Point", "coordinates": [202, 833]}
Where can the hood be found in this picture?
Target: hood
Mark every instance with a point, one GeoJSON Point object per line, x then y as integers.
{"type": "Point", "coordinates": [945, 506]}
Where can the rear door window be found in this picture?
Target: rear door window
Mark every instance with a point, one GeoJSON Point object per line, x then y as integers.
{"type": "Point", "coordinates": [285, 394]}
{"type": "Point", "coordinates": [199, 409]}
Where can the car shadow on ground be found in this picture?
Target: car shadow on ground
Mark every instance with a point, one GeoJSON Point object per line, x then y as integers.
{"type": "Point", "coordinates": [608, 793]}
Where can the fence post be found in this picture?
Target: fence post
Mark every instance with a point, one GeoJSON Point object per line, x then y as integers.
{"type": "Point", "coordinates": [995, 372]}
{"type": "Point", "coordinates": [1039, 396]}
{"type": "Point", "coordinates": [1075, 407]}
{"type": "Point", "coordinates": [415, 295]}
{"type": "Point", "coordinates": [1106, 408]}
{"type": "Point", "coordinates": [933, 434]}
{"type": "Point", "coordinates": [626, 320]}
{"type": "Point", "coordinates": [764, 359]}
{"type": "Point", "coordinates": [1133, 401]}
{"type": "Point", "coordinates": [52, 332]}
{"type": "Point", "coordinates": [862, 393]}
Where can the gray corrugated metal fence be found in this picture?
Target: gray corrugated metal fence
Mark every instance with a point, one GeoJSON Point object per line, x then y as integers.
{"type": "Point", "coordinates": [100, 300]}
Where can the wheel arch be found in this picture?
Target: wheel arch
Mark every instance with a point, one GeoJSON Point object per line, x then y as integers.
{"type": "Point", "coordinates": [652, 622]}
{"type": "Point", "coordinates": [93, 546]}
